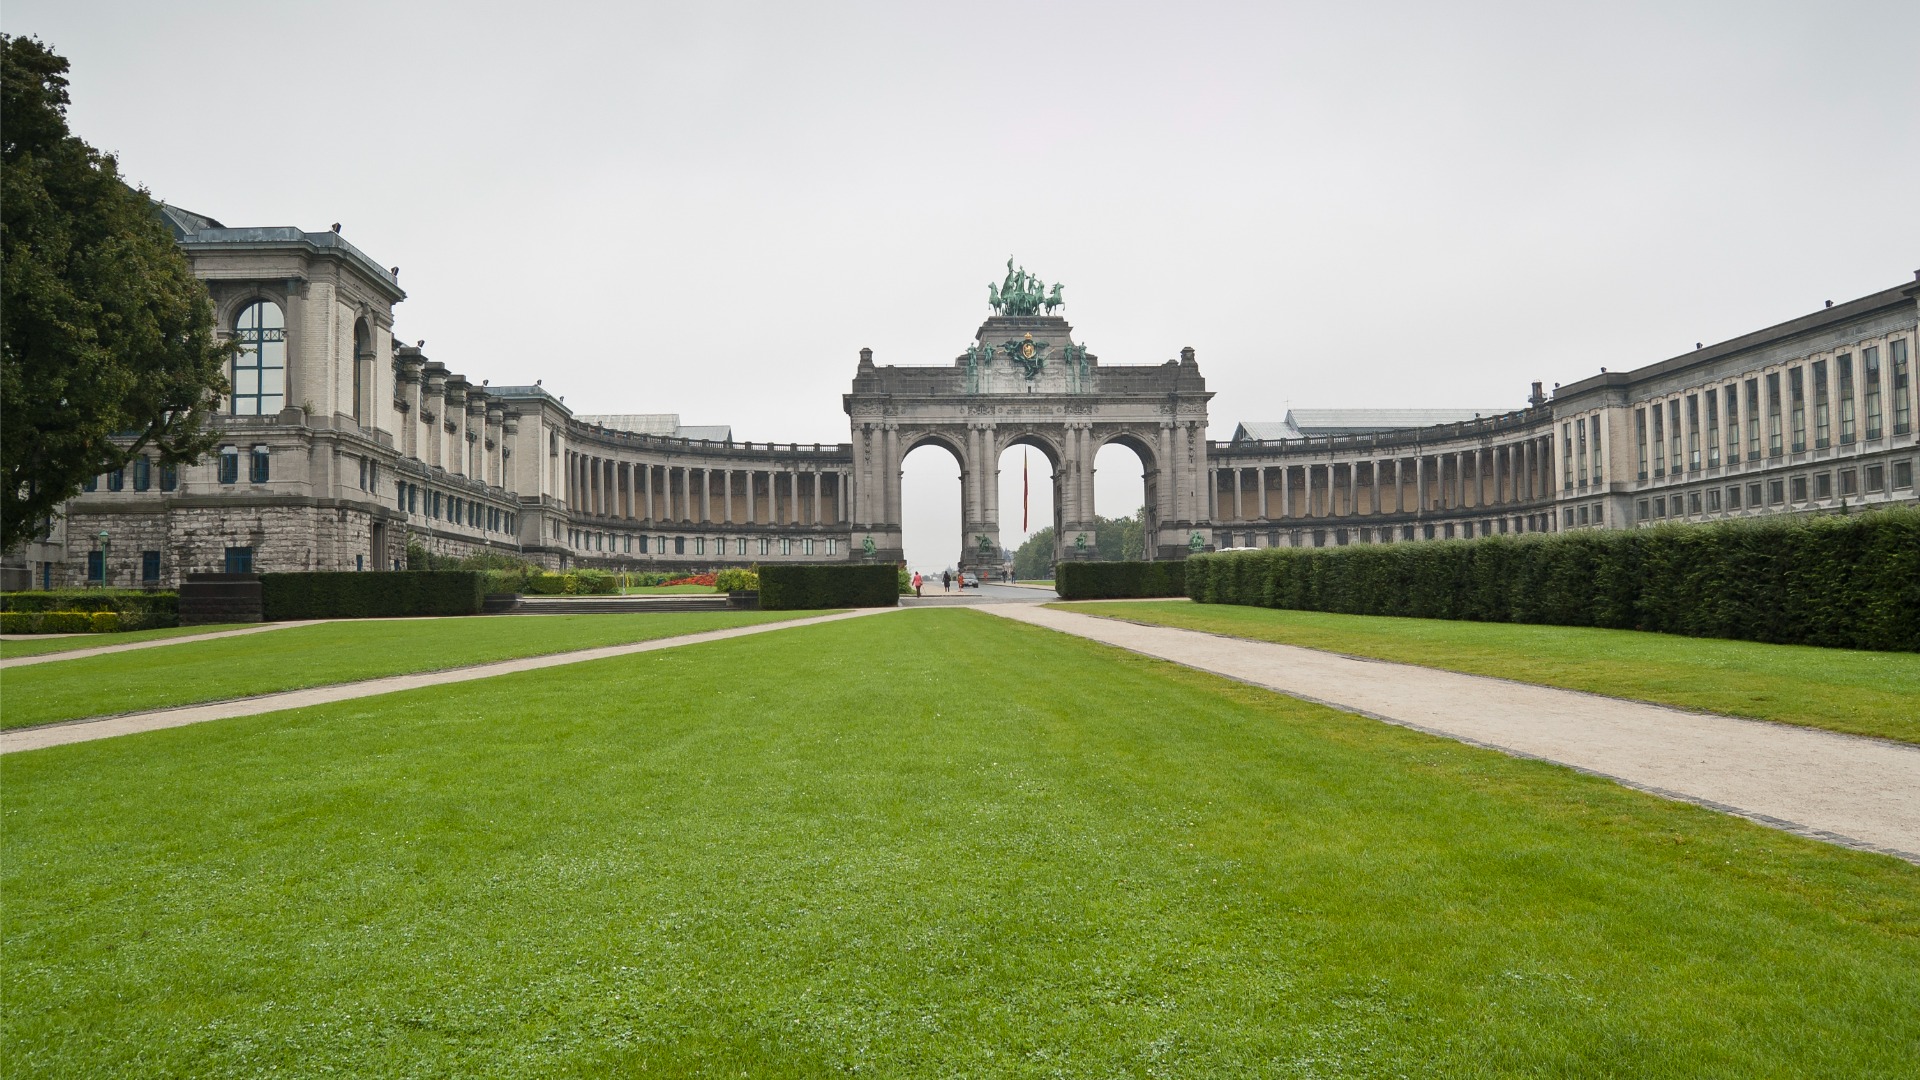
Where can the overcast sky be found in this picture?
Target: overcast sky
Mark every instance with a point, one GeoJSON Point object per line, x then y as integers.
{"type": "Point", "coordinates": [708, 209]}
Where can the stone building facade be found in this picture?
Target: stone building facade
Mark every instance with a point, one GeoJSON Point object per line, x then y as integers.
{"type": "Point", "coordinates": [341, 448]}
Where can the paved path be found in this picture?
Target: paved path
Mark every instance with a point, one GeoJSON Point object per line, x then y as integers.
{"type": "Point", "coordinates": [103, 650]}
{"type": "Point", "coordinates": [129, 723]}
{"type": "Point", "coordinates": [1861, 792]}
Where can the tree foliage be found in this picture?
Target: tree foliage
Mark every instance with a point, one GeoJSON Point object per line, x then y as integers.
{"type": "Point", "coordinates": [104, 331]}
{"type": "Point", "coordinates": [1114, 540]}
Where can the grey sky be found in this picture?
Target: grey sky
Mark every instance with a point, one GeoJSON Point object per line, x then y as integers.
{"type": "Point", "coordinates": [709, 209]}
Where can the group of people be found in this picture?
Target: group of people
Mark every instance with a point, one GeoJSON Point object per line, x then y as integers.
{"type": "Point", "coordinates": [948, 580]}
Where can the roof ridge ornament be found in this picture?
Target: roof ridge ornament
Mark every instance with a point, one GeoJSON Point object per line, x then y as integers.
{"type": "Point", "coordinates": [1021, 293]}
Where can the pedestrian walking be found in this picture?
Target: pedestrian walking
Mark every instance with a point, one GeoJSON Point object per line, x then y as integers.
{"type": "Point", "coordinates": [916, 583]}
{"type": "Point", "coordinates": [946, 581]}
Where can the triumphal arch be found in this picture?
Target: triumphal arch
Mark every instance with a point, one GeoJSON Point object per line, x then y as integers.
{"type": "Point", "coordinates": [1023, 380]}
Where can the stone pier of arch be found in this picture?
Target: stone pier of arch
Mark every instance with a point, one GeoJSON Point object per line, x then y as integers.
{"type": "Point", "coordinates": [1061, 402]}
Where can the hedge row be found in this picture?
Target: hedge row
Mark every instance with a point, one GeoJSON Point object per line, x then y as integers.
{"type": "Point", "coordinates": [1845, 582]}
{"type": "Point", "coordinates": [61, 622]}
{"type": "Point", "coordinates": [136, 610]}
{"type": "Point", "coordinates": [807, 586]}
{"type": "Point", "coordinates": [374, 595]}
{"type": "Point", "coordinates": [1119, 580]}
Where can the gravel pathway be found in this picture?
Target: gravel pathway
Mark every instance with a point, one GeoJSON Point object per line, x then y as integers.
{"type": "Point", "coordinates": [1845, 789]}
{"type": "Point", "coordinates": [73, 731]}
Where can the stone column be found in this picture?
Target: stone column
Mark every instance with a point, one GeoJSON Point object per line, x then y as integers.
{"type": "Point", "coordinates": [1260, 491]}
{"type": "Point", "coordinates": [1306, 489]}
{"type": "Point", "coordinates": [1420, 484]}
{"type": "Point", "coordinates": [1286, 492]}
{"type": "Point", "coordinates": [753, 511]}
{"type": "Point", "coordinates": [1353, 489]}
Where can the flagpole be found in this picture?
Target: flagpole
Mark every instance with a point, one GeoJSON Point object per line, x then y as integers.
{"type": "Point", "coordinates": [1023, 491]}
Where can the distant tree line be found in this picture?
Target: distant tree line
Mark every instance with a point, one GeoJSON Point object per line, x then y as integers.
{"type": "Point", "coordinates": [1115, 540]}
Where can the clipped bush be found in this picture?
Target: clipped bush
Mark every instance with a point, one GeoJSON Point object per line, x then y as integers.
{"type": "Point", "coordinates": [571, 583]}
{"type": "Point", "coordinates": [1119, 580]}
{"type": "Point", "coordinates": [1838, 581]}
{"type": "Point", "coordinates": [324, 594]}
{"type": "Point", "coordinates": [137, 610]}
{"type": "Point", "coordinates": [736, 581]}
{"type": "Point", "coordinates": [104, 622]}
{"type": "Point", "coordinates": [804, 586]}
{"type": "Point", "coordinates": [19, 622]}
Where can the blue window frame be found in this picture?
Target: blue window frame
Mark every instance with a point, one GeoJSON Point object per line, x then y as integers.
{"type": "Point", "coordinates": [239, 560]}
{"type": "Point", "coordinates": [257, 468]}
{"type": "Point", "coordinates": [96, 565]}
{"type": "Point", "coordinates": [149, 566]}
{"type": "Point", "coordinates": [260, 371]}
{"type": "Point", "coordinates": [142, 473]}
{"type": "Point", "coordinates": [117, 480]}
{"type": "Point", "coordinates": [169, 477]}
{"type": "Point", "coordinates": [229, 464]}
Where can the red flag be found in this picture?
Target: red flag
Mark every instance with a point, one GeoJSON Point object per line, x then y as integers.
{"type": "Point", "coordinates": [1023, 491]}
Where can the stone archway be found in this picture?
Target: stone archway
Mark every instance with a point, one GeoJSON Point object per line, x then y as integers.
{"type": "Point", "coordinates": [1023, 379]}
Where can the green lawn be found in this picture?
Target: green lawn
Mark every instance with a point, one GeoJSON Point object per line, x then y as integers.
{"type": "Point", "coordinates": [333, 652]}
{"type": "Point", "coordinates": [836, 850]}
{"type": "Point", "coordinates": [1048, 582]}
{"type": "Point", "coordinates": [39, 646]}
{"type": "Point", "coordinates": [1862, 693]}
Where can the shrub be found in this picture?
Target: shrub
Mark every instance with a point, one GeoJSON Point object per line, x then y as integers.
{"type": "Point", "coordinates": [1838, 581]}
{"type": "Point", "coordinates": [736, 581]}
{"type": "Point", "coordinates": [137, 610]}
{"type": "Point", "coordinates": [379, 594]}
{"type": "Point", "coordinates": [571, 583]}
{"type": "Point", "coordinates": [104, 622]}
{"type": "Point", "coordinates": [1119, 580]}
{"type": "Point", "coordinates": [802, 586]}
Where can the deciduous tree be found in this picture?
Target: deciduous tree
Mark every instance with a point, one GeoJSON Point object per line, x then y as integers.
{"type": "Point", "coordinates": [107, 345]}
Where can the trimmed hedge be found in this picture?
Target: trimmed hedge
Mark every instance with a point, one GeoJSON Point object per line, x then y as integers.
{"type": "Point", "coordinates": [808, 586]}
{"type": "Point", "coordinates": [60, 622]}
{"type": "Point", "coordinates": [134, 610]}
{"type": "Point", "coordinates": [1119, 580]}
{"type": "Point", "coordinates": [326, 594]}
{"type": "Point", "coordinates": [1849, 582]}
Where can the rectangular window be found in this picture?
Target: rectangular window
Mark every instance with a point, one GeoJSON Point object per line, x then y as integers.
{"type": "Point", "coordinates": [96, 566]}
{"type": "Point", "coordinates": [1582, 517]}
{"type": "Point", "coordinates": [1645, 509]}
{"type": "Point", "coordinates": [1774, 446]}
{"type": "Point", "coordinates": [239, 560]}
{"type": "Point", "coordinates": [1580, 450]}
{"type": "Point", "coordinates": [629, 545]}
{"type": "Point", "coordinates": [1843, 374]}
{"type": "Point", "coordinates": [142, 473]}
{"type": "Point", "coordinates": [679, 545]}
{"type": "Point", "coordinates": [1673, 436]}
{"type": "Point", "coordinates": [643, 545]}
{"type": "Point", "coordinates": [1693, 502]}
{"type": "Point", "coordinates": [1659, 440]}
{"type": "Point", "coordinates": [1713, 499]}
{"type": "Point", "coordinates": [149, 566]}
{"type": "Point", "coordinates": [257, 472]}
{"type": "Point", "coordinates": [763, 546]}
{"type": "Point", "coordinates": [1876, 478]}
{"type": "Point", "coordinates": [413, 498]}
{"type": "Point", "coordinates": [1776, 492]}
{"type": "Point", "coordinates": [1640, 437]}
{"type": "Point", "coordinates": [1799, 488]}
{"type": "Point", "coordinates": [169, 477]}
{"type": "Point", "coordinates": [1693, 432]}
{"type": "Point", "coordinates": [1733, 497]}
{"type": "Point", "coordinates": [229, 464]}
{"type": "Point", "coordinates": [1713, 428]}
{"type": "Point", "coordinates": [1753, 494]}
{"type": "Point", "coordinates": [1594, 443]}
{"type": "Point", "coordinates": [1797, 408]}
{"type": "Point", "coordinates": [809, 545]}
{"type": "Point", "coordinates": [1733, 423]}
{"type": "Point", "coordinates": [1870, 376]}
{"type": "Point", "coordinates": [1821, 407]}
{"type": "Point", "coordinates": [699, 545]}
{"type": "Point", "coordinates": [786, 546]}
{"type": "Point", "coordinates": [832, 544]}
{"type": "Point", "coordinates": [1659, 508]}
{"type": "Point", "coordinates": [400, 494]}
{"type": "Point", "coordinates": [1566, 457]}
{"type": "Point", "coordinates": [1753, 419]}
{"type": "Point", "coordinates": [740, 545]}
{"type": "Point", "coordinates": [117, 480]}
{"type": "Point", "coordinates": [1902, 475]}
{"type": "Point", "coordinates": [1823, 485]}
{"type": "Point", "coordinates": [1902, 395]}
{"type": "Point", "coordinates": [1849, 482]}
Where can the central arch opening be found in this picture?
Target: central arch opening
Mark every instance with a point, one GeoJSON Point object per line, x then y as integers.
{"type": "Point", "coordinates": [1028, 482]}
{"type": "Point", "coordinates": [1120, 500]}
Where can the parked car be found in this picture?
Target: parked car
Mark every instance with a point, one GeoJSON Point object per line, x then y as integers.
{"type": "Point", "coordinates": [969, 580]}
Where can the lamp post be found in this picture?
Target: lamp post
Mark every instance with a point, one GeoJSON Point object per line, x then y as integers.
{"type": "Point", "coordinates": [106, 546]}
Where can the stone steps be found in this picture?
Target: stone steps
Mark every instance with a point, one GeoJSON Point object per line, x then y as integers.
{"type": "Point", "coordinates": [603, 605]}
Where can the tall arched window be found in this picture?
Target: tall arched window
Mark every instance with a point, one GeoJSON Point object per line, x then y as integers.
{"type": "Point", "coordinates": [260, 371]}
{"type": "Point", "coordinates": [362, 366]}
